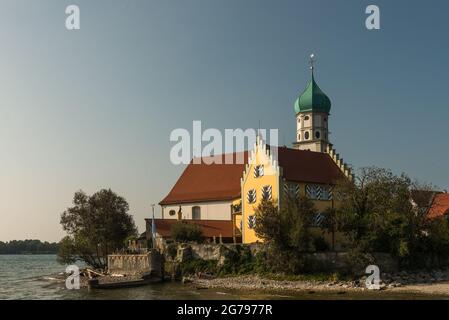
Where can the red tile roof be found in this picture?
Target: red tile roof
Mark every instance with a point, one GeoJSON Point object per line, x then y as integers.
{"type": "Point", "coordinates": [214, 182]}
{"type": "Point", "coordinates": [207, 182]}
{"type": "Point", "coordinates": [210, 228]}
{"type": "Point", "coordinates": [440, 205]}
{"type": "Point", "coordinates": [308, 166]}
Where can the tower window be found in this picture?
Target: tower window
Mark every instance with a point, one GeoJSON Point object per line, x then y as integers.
{"type": "Point", "coordinates": [306, 118]}
{"type": "Point", "coordinates": [317, 134]}
{"type": "Point", "coordinates": [306, 135]}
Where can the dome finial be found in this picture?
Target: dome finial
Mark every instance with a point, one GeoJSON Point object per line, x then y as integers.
{"type": "Point", "coordinates": [312, 62]}
{"type": "Point", "coordinates": [312, 98]}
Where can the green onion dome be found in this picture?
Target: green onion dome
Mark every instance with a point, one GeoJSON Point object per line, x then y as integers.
{"type": "Point", "coordinates": [313, 99]}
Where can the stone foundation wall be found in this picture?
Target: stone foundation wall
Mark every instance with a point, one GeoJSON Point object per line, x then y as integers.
{"type": "Point", "coordinates": [324, 261]}
{"type": "Point", "coordinates": [132, 264]}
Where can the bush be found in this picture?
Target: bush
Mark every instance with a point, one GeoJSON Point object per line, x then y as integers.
{"type": "Point", "coordinates": [238, 261]}
{"type": "Point", "coordinates": [357, 261]}
{"type": "Point", "coordinates": [183, 231]}
{"type": "Point", "coordinates": [172, 250]}
{"type": "Point", "coordinates": [320, 244]}
{"type": "Point", "coordinates": [193, 266]}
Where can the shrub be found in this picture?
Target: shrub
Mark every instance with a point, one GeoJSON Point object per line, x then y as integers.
{"type": "Point", "coordinates": [320, 244]}
{"type": "Point", "coordinates": [183, 231]}
{"type": "Point", "coordinates": [238, 261]}
{"type": "Point", "coordinates": [172, 251]}
{"type": "Point", "coordinates": [193, 266]}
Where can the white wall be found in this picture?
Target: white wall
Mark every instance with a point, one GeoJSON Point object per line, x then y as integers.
{"type": "Point", "coordinates": [217, 210]}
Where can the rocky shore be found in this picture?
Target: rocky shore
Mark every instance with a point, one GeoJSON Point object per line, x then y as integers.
{"type": "Point", "coordinates": [428, 282]}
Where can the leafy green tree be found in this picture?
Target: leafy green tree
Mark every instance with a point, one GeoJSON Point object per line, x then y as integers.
{"type": "Point", "coordinates": [377, 214]}
{"type": "Point", "coordinates": [268, 221]}
{"type": "Point", "coordinates": [96, 226]}
{"type": "Point", "coordinates": [286, 231]}
{"type": "Point", "coordinates": [287, 228]}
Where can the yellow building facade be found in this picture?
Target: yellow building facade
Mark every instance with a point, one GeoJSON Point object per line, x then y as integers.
{"type": "Point", "coordinates": [260, 179]}
{"type": "Point", "coordinates": [306, 173]}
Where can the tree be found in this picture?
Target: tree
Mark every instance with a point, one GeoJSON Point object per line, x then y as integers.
{"type": "Point", "coordinates": [287, 232]}
{"type": "Point", "coordinates": [96, 226]}
{"type": "Point", "coordinates": [287, 228]}
{"type": "Point", "coordinates": [377, 214]}
{"type": "Point", "coordinates": [268, 221]}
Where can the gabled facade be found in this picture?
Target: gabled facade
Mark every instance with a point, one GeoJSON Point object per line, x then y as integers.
{"type": "Point", "coordinates": [273, 173]}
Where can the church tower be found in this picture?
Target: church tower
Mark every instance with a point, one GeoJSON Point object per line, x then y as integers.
{"type": "Point", "coordinates": [312, 112]}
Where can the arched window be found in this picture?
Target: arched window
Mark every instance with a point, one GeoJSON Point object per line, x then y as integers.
{"type": "Point", "coordinates": [306, 135]}
{"type": "Point", "coordinates": [317, 134]}
{"type": "Point", "coordinates": [299, 137]}
{"type": "Point", "coordinates": [196, 213]}
{"type": "Point", "coordinates": [306, 118]}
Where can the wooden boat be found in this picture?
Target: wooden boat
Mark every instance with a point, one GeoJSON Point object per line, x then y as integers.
{"type": "Point", "coordinates": [105, 282]}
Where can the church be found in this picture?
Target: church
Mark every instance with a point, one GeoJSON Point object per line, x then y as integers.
{"type": "Point", "coordinates": [221, 198]}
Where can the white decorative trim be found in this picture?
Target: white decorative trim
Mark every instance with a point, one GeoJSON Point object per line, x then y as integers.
{"type": "Point", "coordinates": [252, 159]}
{"type": "Point", "coordinates": [339, 162]}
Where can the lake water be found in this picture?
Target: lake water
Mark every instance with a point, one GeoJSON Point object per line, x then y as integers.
{"type": "Point", "coordinates": [36, 277]}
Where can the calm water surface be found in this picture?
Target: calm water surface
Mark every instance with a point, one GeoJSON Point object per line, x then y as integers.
{"type": "Point", "coordinates": [36, 277]}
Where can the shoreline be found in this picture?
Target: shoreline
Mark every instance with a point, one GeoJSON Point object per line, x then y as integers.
{"type": "Point", "coordinates": [249, 282]}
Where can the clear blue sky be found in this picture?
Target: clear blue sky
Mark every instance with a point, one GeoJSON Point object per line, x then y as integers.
{"type": "Point", "coordinates": [94, 108]}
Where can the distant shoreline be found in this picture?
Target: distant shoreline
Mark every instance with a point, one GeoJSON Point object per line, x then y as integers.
{"type": "Point", "coordinates": [28, 253]}
{"type": "Point", "coordinates": [28, 247]}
